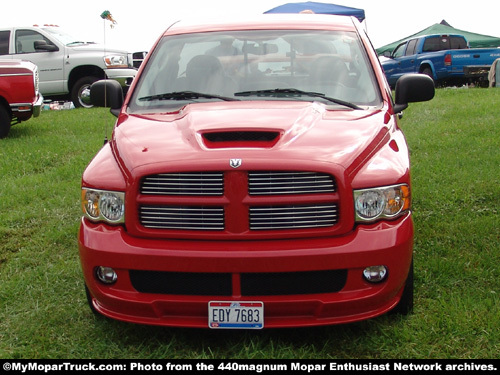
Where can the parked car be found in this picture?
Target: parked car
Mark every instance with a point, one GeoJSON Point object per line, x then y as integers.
{"type": "Point", "coordinates": [256, 176]}
{"type": "Point", "coordinates": [19, 96]}
{"type": "Point", "coordinates": [67, 66]}
{"type": "Point", "coordinates": [445, 58]}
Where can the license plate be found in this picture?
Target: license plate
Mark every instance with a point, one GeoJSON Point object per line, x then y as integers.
{"type": "Point", "coordinates": [231, 314]}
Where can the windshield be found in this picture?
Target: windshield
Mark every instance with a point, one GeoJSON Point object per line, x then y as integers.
{"type": "Point", "coordinates": [325, 66]}
{"type": "Point", "coordinates": [61, 36]}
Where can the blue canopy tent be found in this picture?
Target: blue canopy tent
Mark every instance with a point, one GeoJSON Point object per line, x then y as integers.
{"type": "Point", "coordinates": [319, 8]}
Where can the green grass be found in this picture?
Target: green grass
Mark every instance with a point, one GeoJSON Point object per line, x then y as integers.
{"type": "Point", "coordinates": [454, 142]}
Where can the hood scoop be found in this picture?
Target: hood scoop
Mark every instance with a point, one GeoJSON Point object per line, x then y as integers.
{"type": "Point", "coordinates": [241, 138]}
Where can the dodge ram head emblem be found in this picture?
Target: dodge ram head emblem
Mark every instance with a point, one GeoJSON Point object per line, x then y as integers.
{"type": "Point", "coordinates": [235, 163]}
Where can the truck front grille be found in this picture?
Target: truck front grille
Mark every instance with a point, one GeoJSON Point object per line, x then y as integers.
{"type": "Point", "coordinates": [293, 217]}
{"type": "Point", "coordinates": [250, 284]}
{"type": "Point", "coordinates": [192, 183]}
{"type": "Point", "coordinates": [239, 200]}
{"type": "Point", "coordinates": [184, 218]}
{"type": "Point", "coordinates": [279, 183]}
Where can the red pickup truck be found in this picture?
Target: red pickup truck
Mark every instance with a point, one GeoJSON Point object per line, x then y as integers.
{"type": "Point", "coordinates": [256, 177]}
{"type": "Point", "coordinates": [19, 96]}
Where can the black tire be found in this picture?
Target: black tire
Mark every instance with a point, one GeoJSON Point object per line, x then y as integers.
{"type": "Point", "coordinates": [4, 122]}
{"type": "Point", "coordinates": [80, 93]}
{"type": "Point", "coordinates": [91, 305]}
{"type": "Point", "coordinates": [405, 304]}
{"type": "Point", "coordinates": [428, 72]}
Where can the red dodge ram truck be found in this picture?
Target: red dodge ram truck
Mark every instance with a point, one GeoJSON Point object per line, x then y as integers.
{"type": "Point", "coordinates": [19, 96]}
{"type": "Point", "coordinates": [256, 177]}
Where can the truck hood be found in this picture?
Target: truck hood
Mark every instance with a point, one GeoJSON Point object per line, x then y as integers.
{"type": "Point", "coordinates": [94, 47]}
{"type": "Point", "coordinates": [258, 133]}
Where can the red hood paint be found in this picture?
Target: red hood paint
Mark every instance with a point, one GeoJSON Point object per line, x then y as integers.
{"type": "Point", "coordinates": [308, 133]}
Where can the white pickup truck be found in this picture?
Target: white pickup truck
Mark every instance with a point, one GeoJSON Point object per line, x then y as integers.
{"type": "Point", "coordinates": [67, 66]}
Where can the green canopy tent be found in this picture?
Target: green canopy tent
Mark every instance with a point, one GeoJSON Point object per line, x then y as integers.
{"type": "Point", "coordinates": [475, 40]}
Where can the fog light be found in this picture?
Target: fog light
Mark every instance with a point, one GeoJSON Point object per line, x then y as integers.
{"type": "Point", "coordinates": [106, 275]}
{"type": "Point", "coordinates": [375, 274]}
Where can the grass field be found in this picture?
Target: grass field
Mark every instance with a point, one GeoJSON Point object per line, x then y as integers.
{"type": "Point", "coordinates": [454, 142]}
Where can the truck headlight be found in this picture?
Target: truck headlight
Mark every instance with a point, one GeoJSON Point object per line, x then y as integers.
{"type": "Point", "coordinates": [116, 61]}
{"type": "Point", "coordinates": [382, 202]}
{"type": "Point", "coordinates": [103, 205]}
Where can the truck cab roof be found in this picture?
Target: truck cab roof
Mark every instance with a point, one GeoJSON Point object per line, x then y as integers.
{"type": "Point", "coordinates": [265, 21]}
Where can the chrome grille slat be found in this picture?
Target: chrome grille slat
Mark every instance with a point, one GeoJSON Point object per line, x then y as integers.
{"type": "Point", "coordinates": [287, 216]}
{"type": "Point", "coordinates": [184, 183]}
{"type": "Point", "coordinates": [284, 182]}
{"type": "Point", "coordinates": [293, 217]}
{"type": "Point", "coordinates": [186, 218]}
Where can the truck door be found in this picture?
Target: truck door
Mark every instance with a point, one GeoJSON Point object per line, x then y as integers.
{"type": "Point", "coordinates": [49, 59]}
{"type": "Point", "coordinates": [402, 61]}
{"type": "Point", "coordinates": [407, 62]}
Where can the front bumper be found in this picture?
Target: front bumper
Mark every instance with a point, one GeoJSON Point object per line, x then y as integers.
{"type": "Point", "coordinates": [37, 106]}
{"type": "Point", "coordinates": [384, 243]}
{"type": "Point", "coordinates": [123, 76]}
{"type": "Point", "coordinates": [24, 111]}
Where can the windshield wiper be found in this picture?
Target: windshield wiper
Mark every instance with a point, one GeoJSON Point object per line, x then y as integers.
{"type": "Point", "coordinates": [184, 95]}
{"type": "Point", "coordinates": [296, 93]}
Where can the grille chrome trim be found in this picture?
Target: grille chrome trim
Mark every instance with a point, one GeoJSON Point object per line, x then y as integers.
{"type": "Point", "coordinates": [182, 217]}
{"type": "Point", "coordinates": [196, 215]}
{"type": "Point", "coordinates": [283, 182]}
{"type": "Point", "coordinates": [184, 183]}
{"type": "Point", "coordinates": [293, 217]}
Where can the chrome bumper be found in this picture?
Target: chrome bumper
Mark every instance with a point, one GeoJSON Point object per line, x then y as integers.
{"type": "Point", "coordinates": [37, 107]}
{"type": "Point", "coordinates": [27, 109]}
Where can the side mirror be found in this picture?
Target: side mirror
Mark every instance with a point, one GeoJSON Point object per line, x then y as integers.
{"type": "Point", "coordinates": [42, 45]}
{"type": "Point", "coordinates": [387, 54]}
{"type": "Point", "coordinates": [107, 93]}
{"type": "Point", "coordinates": [412, 88]}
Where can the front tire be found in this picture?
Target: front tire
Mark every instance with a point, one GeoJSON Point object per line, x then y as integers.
{"type": "Point", "coordinates": [91, 304]}
{"type": "Point", "coordinates": [428, 72]}
{"type": "Point", "coordinates": [405, 304]}
{"type": "Point", "coordinates": [4, 122]}
{"type": "Point", "coordinates": [80, 93]}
